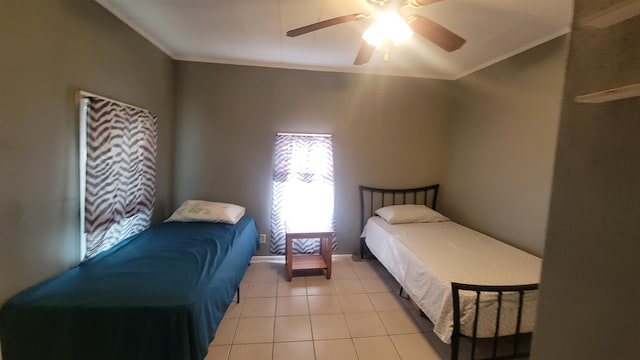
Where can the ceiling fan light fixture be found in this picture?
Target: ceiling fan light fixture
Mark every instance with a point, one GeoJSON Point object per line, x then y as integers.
{"type": "Point", "coordinates": [389, 25]}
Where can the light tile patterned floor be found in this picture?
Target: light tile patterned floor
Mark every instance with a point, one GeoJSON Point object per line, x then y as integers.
{"type": "Point", "coordinates": [357, 314]}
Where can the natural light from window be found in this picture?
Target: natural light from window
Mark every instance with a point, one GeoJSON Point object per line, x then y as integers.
{"type": "Point", "coordinates": [303, 190]}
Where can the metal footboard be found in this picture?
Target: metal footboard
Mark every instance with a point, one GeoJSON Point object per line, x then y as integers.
{"type": "Point", "coordinates": [499, 291]}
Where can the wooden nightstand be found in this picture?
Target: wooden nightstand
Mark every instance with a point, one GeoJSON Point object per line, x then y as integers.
{"type": "Point", "coordinates": [309, 262]}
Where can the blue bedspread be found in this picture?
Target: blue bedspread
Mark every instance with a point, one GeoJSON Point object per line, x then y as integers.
{"type": "Point", "coordinates": [157, 295]}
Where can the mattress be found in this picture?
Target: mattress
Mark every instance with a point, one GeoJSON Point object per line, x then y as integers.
{"type": "Point", "coordinates": [159, 294]}
{"type": "Point", "coordinates": [426, 257]}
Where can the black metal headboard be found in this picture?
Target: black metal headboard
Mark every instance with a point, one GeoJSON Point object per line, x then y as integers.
{"type": "Point", "coordinates": [372, 199]}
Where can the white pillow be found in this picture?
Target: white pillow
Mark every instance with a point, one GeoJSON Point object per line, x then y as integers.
{"type": "Point", "coordinates": [198, 210]}
{"type": "Point", "coordinates": [404, 214]}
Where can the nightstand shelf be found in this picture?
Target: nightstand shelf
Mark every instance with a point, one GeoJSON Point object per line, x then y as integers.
{"type": "Point", "coordinates": [308, 262]}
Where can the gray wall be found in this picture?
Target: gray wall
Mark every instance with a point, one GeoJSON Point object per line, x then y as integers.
{"type": "Point", "coordinates": [387, 132]}
{"type": "Point", "coordinates": [590, 287]}
{"type": "Point", "coordinates": [504, 127]}
{"type": "Point", "coordinates": [49, 50]}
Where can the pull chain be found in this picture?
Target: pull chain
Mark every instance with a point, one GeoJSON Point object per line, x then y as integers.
{"type": "Point", "coordinates": [385, 48]}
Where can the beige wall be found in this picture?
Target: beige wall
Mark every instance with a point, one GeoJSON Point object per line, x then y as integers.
{"type": "Point", "coordinates": [503, 134]}
{"type": "Point", "coordinates": [387, 132]}
{"type": "Point", "coordinates": [49, 50]}
{"type": "Point", "coordinates": [590, 287]}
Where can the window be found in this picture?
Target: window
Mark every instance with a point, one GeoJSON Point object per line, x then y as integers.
{"type": "Point", "coordinates": [117, 172]}
{"type": "Point", "coordinates": [302, 187]}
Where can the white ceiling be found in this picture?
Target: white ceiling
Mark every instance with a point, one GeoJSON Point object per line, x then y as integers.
{"type": "Point", "coordinates": [252, 32]}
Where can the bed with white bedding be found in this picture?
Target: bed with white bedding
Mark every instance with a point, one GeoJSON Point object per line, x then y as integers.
{"type": "Point", "coordinates": [426, 257]}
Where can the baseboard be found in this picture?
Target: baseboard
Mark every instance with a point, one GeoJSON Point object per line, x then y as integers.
{"type": "Point", "coordinates": [280, 258]}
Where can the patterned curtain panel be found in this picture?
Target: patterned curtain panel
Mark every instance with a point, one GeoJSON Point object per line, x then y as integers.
{"type": "Point", "coordinates": [302, 189]}
{"type": "Point", "coordinates": [120, 173]}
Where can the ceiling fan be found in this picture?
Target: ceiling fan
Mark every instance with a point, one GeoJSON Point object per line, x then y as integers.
{"type": "Point", "coordinates": [390, 28]}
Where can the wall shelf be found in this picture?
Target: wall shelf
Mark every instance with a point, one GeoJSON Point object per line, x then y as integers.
{"type": "Point", "coordinates": [618, 93]}
{"type": "Point", "coordinates": [614, 14]}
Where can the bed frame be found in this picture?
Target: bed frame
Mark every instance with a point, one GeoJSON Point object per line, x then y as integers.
{"type": "Point", "coordinates": [372, 199]}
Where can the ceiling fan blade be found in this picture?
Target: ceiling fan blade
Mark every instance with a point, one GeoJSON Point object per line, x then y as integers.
{"type": "Point", "coordinates": [418, 3]}
{"type": "Point", "coordinates": [324, 24]}
{"type": "Point", "coordinates": [364, 54]}
{"type": "Point", "coordinates": [435, 33]}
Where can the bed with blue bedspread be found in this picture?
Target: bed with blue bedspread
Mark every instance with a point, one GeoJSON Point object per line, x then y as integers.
{"type": "Point", "coordinates": [157, 295]}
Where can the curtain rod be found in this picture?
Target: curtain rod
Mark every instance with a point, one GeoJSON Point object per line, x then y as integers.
{"type": "Point", "coordinates": [303, 134]}
{"type": "Point", "coordinates": [84, 94]}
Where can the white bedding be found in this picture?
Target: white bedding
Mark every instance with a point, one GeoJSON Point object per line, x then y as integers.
{"type": "Point", "coordinates": [426, 257]}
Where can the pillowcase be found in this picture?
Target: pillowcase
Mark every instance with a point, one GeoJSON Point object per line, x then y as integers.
{"type": "Point", "coordinates": [405, 214]}
{"type": "Point", "coordinates": [206, 211]}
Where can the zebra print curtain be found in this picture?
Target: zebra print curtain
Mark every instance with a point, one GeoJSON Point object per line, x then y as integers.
{"type": "Point", "coordinates": [120, 172]}
{"type": "Point", "coordinates": [302, 189]}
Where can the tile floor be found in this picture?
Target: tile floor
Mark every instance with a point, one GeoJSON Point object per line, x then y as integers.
{"type": "Point", "coordinates": [357, 314]}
